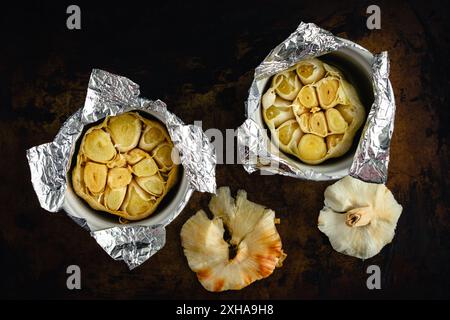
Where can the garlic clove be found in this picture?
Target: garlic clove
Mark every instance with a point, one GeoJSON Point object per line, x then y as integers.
{"type": "Point", "coordinates": [137, 202]}
{"type": "Point", "coordinates": [318, 124]}
{"type": "Point", "coordinates": [119, 177]}
{"type": "Point", "coordinates": [97, 146]}
{"type": "Point", "coordinates": [311, 148]}
{"type": "Point", "coordinates": [153, 184]}
{"type": "Point", "coordinates": [310, 71]}
{"type": "Point", "coordinates": [151, 137]}
{"type": "Point", "coordinates": [274, 116]}
{"type": "Point", "coordinates": [307, 97]}
{"type": "Point", "coordinates": [145, 167]}
{"type": "Point", "coordinates": [95, 176]}
{"type": "Point", "coordinates": [336, 122]}
{"type": "Point", "coordinates": [327, 92]}
{"type": "Point", "coordinates": [163, 156]}
{"type": "Point", "coordinates": [287, 84]}
{"type": "Point", "coordinates": [125, 130]}
{"type": "Point", "coordinates": [114, 197]}
{"type": "Point", "coordinates": [286, 131]}
{"type": "Point", "coordinates": [304, 121]}
{"type": "Point", "coordinates": [135, 155]}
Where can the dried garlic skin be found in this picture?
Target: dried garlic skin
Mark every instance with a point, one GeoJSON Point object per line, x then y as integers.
{"type": "Point", "coordinates": [115, 175]}
{"type": "Point", "coordinates": [253, 235]}
{"type": "Point", "coordinates": [325, 105]}
{"type": "Point", "coordinates": [359, 218]}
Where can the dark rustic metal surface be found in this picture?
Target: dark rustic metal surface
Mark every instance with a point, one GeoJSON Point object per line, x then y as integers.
{"type": "Point", "coordinates": [205, 75]}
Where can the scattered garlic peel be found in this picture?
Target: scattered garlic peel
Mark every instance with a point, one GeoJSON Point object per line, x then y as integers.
{"type": "Point", "coordinates": [253, 233]}
{"type": "Point", "coordinates": [359, 218]}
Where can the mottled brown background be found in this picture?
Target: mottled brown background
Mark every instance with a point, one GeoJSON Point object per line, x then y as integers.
{"type": "Point", "coordinates": [200, 60]}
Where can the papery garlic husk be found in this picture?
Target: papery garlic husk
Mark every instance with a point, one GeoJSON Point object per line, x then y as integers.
{"type": "Point", "coordinates": [129, 183]}
{"type": "Point", "coordinates": [310, 71]}
{"type": "Point", "coordinates": [253, 235]}
{"type": "Point", "coordinates": [286, 84]}
{"type": "Point", "coordinates": [359, 218]}
{"type": "Point", "coordinates": [268, 98]}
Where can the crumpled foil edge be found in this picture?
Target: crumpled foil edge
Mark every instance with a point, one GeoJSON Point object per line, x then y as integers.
{"type": "Point", "coordinates": [134, 245]}
{"type": "Point", "coordinates": [110, 94]}
{"type": "Point", "coordinates": [371, 160]}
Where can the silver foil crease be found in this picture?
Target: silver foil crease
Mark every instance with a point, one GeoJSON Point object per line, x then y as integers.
{"type": "Point", "coordinates": [49, 162]}
{"type": "Point", "coordinates": [110, 94]}
{"type": "Point", "coordinates": [371, 160]}
{"type": "Point", "coordinates": [372, 156]}
{"type": "Point", "coordinates": [132, 245]}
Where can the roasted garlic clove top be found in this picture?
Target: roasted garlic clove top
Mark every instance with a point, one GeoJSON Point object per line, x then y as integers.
{"type": "Point", "coordinates": [113, 175]}
{"type": "Point", "coordinates": [326, 108]}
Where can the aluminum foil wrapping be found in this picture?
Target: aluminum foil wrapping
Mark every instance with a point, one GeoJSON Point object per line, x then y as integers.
{"type": "Point", "coordinates": [371, 160]}
{"type": "Point", "coordinates": [110, 94]}
{"type": "Point", "coordinates": [370, 163]}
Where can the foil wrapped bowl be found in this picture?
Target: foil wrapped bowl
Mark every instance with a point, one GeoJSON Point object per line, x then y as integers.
{"type": "Point", "coordinates": [173, 202]}
{"type": "Point", "coordinates": [356, 64]}
{"type": "Point", "coordinates": [51, 165]}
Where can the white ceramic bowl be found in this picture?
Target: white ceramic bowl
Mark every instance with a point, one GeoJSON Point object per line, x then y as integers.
{"type": "Point", "coordinates": [355, 62]}
{"type": "Point", "coordinates": [164, 214]}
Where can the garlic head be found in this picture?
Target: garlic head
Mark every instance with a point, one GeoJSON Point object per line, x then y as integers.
{"type": "Point", "coordinates": [359, 218]}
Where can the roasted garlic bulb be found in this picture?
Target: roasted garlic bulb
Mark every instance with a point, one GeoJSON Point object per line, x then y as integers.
{"type": "Point", "coordinates": [252, 252]}
{"type": "Point", "coordinates": [124, 166]}
{"type": "Point", "coordinates": [359, 218]}
{"type": "Point", "coordinates": [312, 112]}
